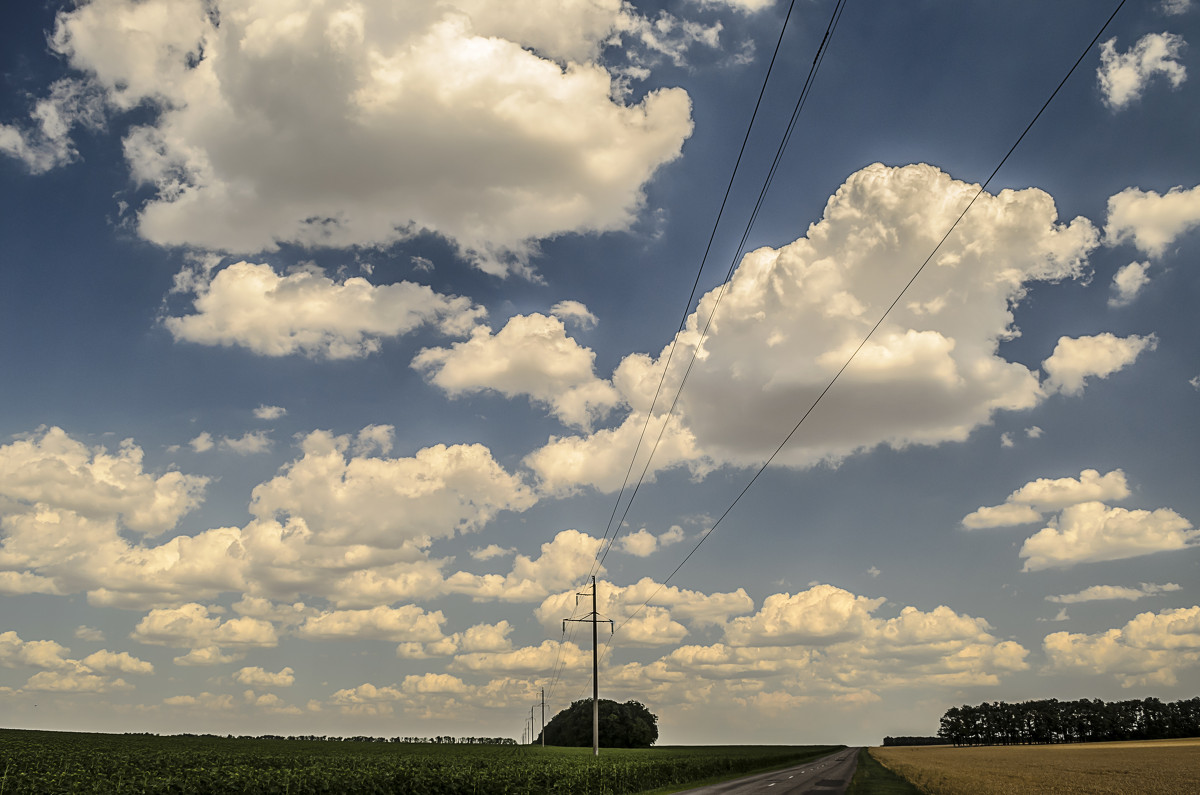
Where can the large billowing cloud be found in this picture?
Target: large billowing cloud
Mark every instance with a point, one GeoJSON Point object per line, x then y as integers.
{"type": "Point", "coordinates": [307, 312]}
{"type": "Point", "coordinates": [360, 122]}
{"type": "Point", "coordinates": [1124, 75]}
{"type": "Point", "coordinates": [792, 316]}
{"type": "Point", "coordinates": [1149, 650]}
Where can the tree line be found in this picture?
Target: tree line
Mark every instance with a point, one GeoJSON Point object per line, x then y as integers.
{"type": "Point", "coordinates": [441, 740]}
{"type": "Point", "coordinates": [1082, 721]}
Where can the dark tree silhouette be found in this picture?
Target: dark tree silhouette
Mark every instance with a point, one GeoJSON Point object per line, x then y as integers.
{"type": "Point", "coordinates": [628, 725]}
{"type": "Point", "coordinates": [1082, 721]}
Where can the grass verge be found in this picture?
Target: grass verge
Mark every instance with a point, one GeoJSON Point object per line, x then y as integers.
{"type": "Point", "coordinates": [872, 778]}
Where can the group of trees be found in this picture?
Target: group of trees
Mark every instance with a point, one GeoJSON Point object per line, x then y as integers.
{"type": "Point", "coordinates": [1083, 721]}
{"type": "Point", "coordinates": [628, 725]}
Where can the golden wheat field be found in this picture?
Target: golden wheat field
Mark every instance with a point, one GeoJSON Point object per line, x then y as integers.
{"type": "Point", "coordinates": [1157, 767]}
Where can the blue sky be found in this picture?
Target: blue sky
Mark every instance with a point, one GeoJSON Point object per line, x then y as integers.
{"type": "Point", "coordinates": [329, 331]}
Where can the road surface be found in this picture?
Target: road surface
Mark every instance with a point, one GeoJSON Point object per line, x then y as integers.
{"type": "Point", "coordinates": [827, 775]}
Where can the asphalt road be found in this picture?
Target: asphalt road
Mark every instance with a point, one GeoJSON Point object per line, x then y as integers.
{"type": "Point", "coordinates": [827, 775]}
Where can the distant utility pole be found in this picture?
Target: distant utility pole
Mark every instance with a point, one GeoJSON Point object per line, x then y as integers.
{"type": "Point", "coordinates": [594, 618]}
{"type": "Point", "coordinates": [543, 717]}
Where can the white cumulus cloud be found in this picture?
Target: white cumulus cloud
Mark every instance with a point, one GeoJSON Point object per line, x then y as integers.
{"type": "Point", "coordinates": [1038, 497]}
{"type": "Point", "coordinates": [532, 355]}
{"type": "Point", "coordinates": [1076, 359]}
{"type": "Point", "coordinates": [792, 316]}
{"type": "Point", "coordinates": [1099, 593]}
{"type": "Point", "coordinates": [1124, 75]}
{"type": "Point", "coordinates": [363, 122]}
{"type": "Point", "coordinates": [1127, 282]}
{"type": "Point", "coordinates": [1152, 221]}
{"type": "Point", "coordinates": [1149, 650]}
{"type": "Point", "coordinates": [307, 312]}
{"type": "Point", "coordinates": [1092, 531]}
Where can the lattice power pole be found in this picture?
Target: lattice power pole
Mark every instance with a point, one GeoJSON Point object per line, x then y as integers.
{"type": "Point", "coordinates": [594, 619]}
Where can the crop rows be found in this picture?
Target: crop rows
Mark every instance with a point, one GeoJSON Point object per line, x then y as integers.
{"type": "Point", "coordinates": [60, 762]}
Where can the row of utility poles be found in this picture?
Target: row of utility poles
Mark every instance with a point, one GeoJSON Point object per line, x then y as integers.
{"type": "Point", "coordinates": [527, 736]}
{"type": "Point", "coordinates": [593, 618]}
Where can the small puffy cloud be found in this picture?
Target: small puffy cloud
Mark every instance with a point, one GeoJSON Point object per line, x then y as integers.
{"type": "Point", "coordinates": [1092, 531]}
{"type": "Point", "coordinates": [1128, 282]}
{"type": "Point", "coordinates": [192, 626]}
{"type": "Point", "coordinates": [203, 442]}
{"type": "Point", "coordinates": [205, 701]}
{"type": "Point", "coordinates": [532, 355]}
{"type": "Point", "coordinates": [528, 660]}
{"type": "Point", "coordinates": [491, 551]}
{"type": "Point", "coordinates": [265, 412]}
{"type": "Point", "coordinates": [1123, 76]}
{"type": "Point", "coordinates": [1100, 593]}
{"type": "Point", "coordinates": [49, 468]}
{"type": "Point", "coordinates": [1152, 222]}
{"type": "Point", "coordinates": [407, 623]}
{"type": "Point", "coordinates": [307, 312]}
{"type": "Point", "coordinates": [74, 682]}
{"type": "Point", "coordinates": [45, 654]}
{"type": "Point", "coordinates": [258, 677]}
{"type": "Point", "coordinates": [640, 544]}
{"type": "Point", "coordinates": [374, 439]}
{"type": "Point", "coordinates": [1034, 432]}
{"type": "Point", "coordinates": [389, 502]}
{"type": "Point", "coordinates": [874, 572]}
{"type": "Point", "coordinates": [1029, 503]}
{"type": "Point", "coordinates": [249, 443]}
{"type": "Point", "coordinates": [1061, 615]}
{"type": "Point", "coordinates": [643, 543]}
{"type": "Point", "coordinates": [745, 6]}
{"type": "Point", "coordinates": [1195, 382]}
{"type": "Point", "coordinates": [1175, 7]}
{"type": "Point", "coordinates": [494, 127]}
{"type": "Point", "coordinates": [87, 633]}
{"type": "Point", "coordinates": [1006, 440]}
{"type": "Point", "coordinates": [791, 317]}
{"type": "Point", "coordinates": [1077, 359]}
{"type": "Point", "coordinates": [574, 312]}
{"type": "Point", "coordinates": [823, 614]}
{"type": "Point", "coordinates": [562, 560]}
{"type": "Point", "coordinates": [45, 143]}
{"type": "Point", "coordinates": [106, 662]}
{"type": "Point", "coordinates": [1149, 650]}
{"type": "Point", "coordinates": [206, 656]}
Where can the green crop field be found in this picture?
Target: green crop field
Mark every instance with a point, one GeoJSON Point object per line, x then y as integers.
{"type": "Point", "coordinates": [63, 762]}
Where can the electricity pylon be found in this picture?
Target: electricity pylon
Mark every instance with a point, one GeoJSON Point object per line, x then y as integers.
{"type": "Point", "coordinates": [595, 619]}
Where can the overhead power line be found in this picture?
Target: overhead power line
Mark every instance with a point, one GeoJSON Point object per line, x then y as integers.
{"type": "Point", "coordinates": [983, 187]}
{"type": "Point", "coordinates": [822, 48]}
{"type": "Point", "coordinates": [605, 542]}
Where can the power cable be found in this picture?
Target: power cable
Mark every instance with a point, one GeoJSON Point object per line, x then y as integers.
{"type": "Point", "coordinates": [822, 48]}
{"type": "Point", "coordinates": [867, 337]}
{"type": "Point", "coordinates": [687, 306]}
